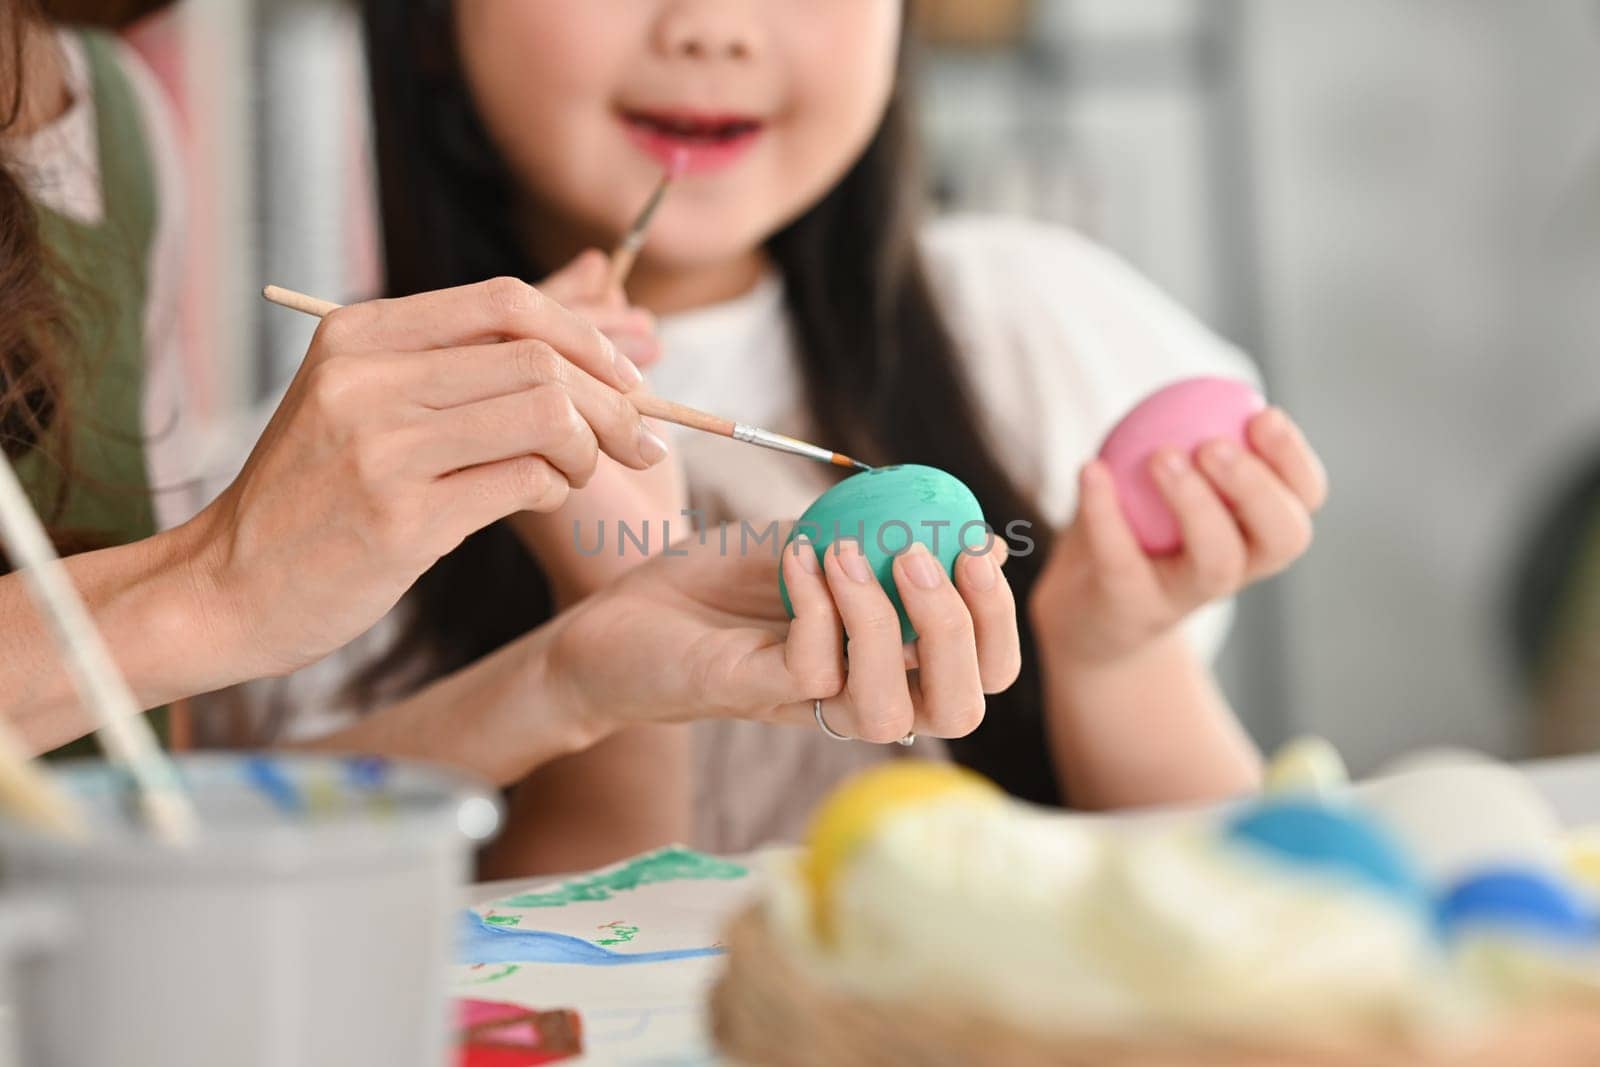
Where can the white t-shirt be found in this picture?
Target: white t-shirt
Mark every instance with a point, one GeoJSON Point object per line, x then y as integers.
{"type": "Point", "coordinates": [1059, 338]}
{"type": "Point", "coordinates": [60, 166]}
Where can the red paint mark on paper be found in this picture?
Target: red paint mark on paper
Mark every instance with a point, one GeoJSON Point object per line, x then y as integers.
{"type": "Point", "coordinates": [496, 1034]}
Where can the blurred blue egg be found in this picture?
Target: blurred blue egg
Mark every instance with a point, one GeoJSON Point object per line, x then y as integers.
{"type": "Point", "coordinates": [1517, 900]}
{"type": "Point", "coordinates": [1337, 841]}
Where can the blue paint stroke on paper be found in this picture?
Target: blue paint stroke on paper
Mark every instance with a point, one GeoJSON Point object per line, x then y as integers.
{"type": "Point", "coordinates": [484, 942]}
{"type": "Point", "coordinates": [367, 773]}
{"type": "Point", "coordinates": [265, 774]}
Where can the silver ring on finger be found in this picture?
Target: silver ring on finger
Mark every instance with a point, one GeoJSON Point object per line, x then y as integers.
{"type": "Point", "coordinates": [816, 711]}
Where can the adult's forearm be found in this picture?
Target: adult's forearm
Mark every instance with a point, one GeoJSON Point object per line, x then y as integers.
{"type": "Point", "coordinates": [159, 616]}
{"type": "Point", "coordinates": [1150, 729]}
{"type": "Point", "coordinates": [499, 718]}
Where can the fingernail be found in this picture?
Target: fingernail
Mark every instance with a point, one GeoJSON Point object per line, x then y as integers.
{"type": "Point", "coordinates": [853, 562]}
{"type": "Point", "coordinates": [921, 568]}
{"type": "Point", "coordinates": [807, 553]}
{"type": "Point", "coordinates": [652, 449]}
{"type": "Point", "coordinates": [1171, 465]}
{"type": "Point", "coordinates": [626, 371]}
{"type": "Point", "coordinates": [1224, 453]}
{"type": "Point", "coordinates": [982, 571]}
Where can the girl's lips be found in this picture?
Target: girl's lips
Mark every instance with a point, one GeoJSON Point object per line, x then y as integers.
{"type": "Point", "coordinates": [709, 142]}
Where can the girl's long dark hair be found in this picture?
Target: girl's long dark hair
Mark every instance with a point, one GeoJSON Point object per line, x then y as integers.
{"type": "Point", "coordinates": [882, 375]}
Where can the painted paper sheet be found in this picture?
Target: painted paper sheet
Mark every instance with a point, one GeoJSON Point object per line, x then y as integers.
{"type": "Point", "coordinates": [633, 949]}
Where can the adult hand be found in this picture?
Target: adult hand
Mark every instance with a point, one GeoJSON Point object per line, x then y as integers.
{"type": "Point", "coordinates": [411, 424]}
{"type": "Point", "coordinates": [703, 634]}
{"type": "Point", "coordinates": [651, 502]}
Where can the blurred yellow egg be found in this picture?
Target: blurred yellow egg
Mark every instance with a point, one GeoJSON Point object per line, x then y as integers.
{"type": "Point", "coordinates": [1583, 858]}
{"type": "Point", "coordinates": [853, 813]}
{"type": "Point", "coordinates": [1308, 765]}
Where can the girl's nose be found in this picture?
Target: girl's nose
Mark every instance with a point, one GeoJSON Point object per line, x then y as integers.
{"type": "Point", "coordinates": [709, 30]}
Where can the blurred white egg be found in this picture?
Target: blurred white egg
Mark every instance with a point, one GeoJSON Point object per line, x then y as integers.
{"type": "Point", "coordinates": [1458, 817]}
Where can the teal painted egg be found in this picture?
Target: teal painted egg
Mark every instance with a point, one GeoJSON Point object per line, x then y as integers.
{"type": "Point", "coordinates": [1337, 841]}
{"type": "Point", "coordinates": [885, 510]}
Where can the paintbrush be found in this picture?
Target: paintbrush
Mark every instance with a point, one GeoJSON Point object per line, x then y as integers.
{"type": "Point", "coordinates": [654, 407]}
{"type": "Point", "coordinates": [627, 251]}
{"type": "Point", "coordinates": [123, 731]}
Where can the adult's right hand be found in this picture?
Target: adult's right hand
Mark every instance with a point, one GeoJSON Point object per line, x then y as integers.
{"type": "Point", "coordinates": [411, 424]}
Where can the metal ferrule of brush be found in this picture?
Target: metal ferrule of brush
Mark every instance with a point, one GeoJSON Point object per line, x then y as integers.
{"type": "Point", "coordinates": [754, 435]}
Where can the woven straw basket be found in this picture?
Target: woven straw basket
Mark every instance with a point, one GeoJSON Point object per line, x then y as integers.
{"type": "Point", "coordinates": [767, 1013]}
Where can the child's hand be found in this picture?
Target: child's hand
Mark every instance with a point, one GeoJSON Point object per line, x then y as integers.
{"type": "Point", "coordinates": [1245, 515]}
{"type": "Point", "coordinates": [647, 501]}
{"type": "Point", "coordinates": [583, 286]}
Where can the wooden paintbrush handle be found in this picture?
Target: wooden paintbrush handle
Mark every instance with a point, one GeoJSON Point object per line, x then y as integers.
{"type": "Point", "coordinates": [650, 406]}
{"type": "Point", "coordinates": [300, 302]}
{"type": "Point", "coordinates": [622, 261]}
{"type": "Point", "coordinates": [656, 407]}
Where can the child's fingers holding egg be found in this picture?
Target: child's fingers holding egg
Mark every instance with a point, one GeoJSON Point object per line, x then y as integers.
{"type": "Point", "coordinates": [1215, 557]}
{"type": "Point", "coordinates": [947, 650]}
{"type": "Point", "coordinates": [1122, 569]}
{"type": "Point", "coordinates": [1279, 442]}
{"type": "Point", "coordinates": [1275, 522]}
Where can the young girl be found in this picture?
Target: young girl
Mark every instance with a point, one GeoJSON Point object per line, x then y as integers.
{"type": "Point", "coordinates": [798, 289]}
{"type": "Point", "coordinates": [411, 423]}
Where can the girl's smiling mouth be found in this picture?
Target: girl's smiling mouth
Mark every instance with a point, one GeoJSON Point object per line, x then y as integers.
{"type": "Point", "coordinates": [711, 140]}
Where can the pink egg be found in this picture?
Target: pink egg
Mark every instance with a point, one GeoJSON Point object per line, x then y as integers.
{"type": "Point", "coordinates": [1184, 415]}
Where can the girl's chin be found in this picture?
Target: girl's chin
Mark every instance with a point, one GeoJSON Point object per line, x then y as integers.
{"type": "Point", "coordinates": [681, 280]}
{"type": "Point", "coordinates": [696, 255]}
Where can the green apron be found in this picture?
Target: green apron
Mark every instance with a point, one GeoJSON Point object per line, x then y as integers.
{"type": "Point", "coordinates": [105, 268]}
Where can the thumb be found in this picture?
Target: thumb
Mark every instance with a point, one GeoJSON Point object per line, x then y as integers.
{"type": "Point", "coordinates": [582, 281]}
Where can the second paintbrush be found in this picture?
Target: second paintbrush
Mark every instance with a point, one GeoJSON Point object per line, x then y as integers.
{"type": "Point", "coordinates": [632, 243]}
{"type": "Point", "coordinates": [654, 407]}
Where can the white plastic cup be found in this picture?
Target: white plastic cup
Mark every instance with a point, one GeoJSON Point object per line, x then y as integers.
{"type": "Point", "coordinates": [310, 924]}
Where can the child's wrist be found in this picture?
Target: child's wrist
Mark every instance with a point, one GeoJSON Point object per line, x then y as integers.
{"type": "Point", "coordinates": [1067, 643]}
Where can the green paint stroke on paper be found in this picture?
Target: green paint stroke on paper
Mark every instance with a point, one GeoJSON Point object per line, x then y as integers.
{"type": "Point", "coordinates": [502, 920]}
{"type": "Point", "coordinates": [505, 972]}
{"type": "Point", "coordinates": [667, 865]}
{"type": "Point", "coordinates": [621, 933]}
